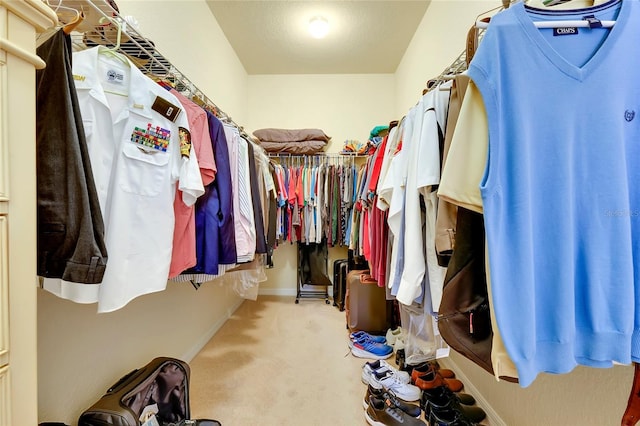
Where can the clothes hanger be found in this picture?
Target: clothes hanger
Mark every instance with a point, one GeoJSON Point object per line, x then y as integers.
{"type": "Point", "coordinates": [67, 24]}
{"type": "Point", "coordinates": [581, 23]}
{"type": "Point", "coordinates": [113, 51]}
{"type": "Point", "coordinates": [73, 24]}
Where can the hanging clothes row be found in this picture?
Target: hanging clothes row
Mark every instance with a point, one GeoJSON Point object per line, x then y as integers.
{"type": "Point", "coordinates": [315, 198]}
{"type": "Point", "coordinates": [157, 187]}
{"type": "Point", "coordinates": [461, 161]}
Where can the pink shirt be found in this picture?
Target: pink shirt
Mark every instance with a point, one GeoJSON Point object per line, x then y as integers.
{"type": "Point", "coordinates": [183, 255]}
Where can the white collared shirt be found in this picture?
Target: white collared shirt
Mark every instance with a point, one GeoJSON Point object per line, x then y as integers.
{"type": "Point", "coordinates": [136, 161]}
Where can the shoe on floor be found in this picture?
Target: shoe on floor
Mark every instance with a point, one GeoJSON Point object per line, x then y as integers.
{"type": "Point", "coordinates": [400, 360]}
{"type": "Point", "coordinates": [439, 392]}
{"type": "Point", "coordinates": [357, 335]}
{"type": "Point", "coordinates": [411, 409]}
{"type": "Point", "coordinates": [392, 335]}
{"type": "Point", "coordinates": [448, 418]}
{"type": "Point", "coordinates": [389, 381]}
{"type": "Point", "coordinates": [425, 367]}
{"type": "Point", "coordinates": [379, 366]}
{"type": "Point", "coordinates": [365, 348]}
{"type": "Point", "coordinates": [447, 401]}
{"type": "Point", "coordinates": [432, 379]}
{"type": "Point", "coordinates": [381, 413]}
{"type": "Point", "coordinates": [398, 345]}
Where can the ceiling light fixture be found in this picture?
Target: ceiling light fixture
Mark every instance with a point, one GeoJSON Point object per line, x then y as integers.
{"type": "Point", "coordinates": [318, 27]}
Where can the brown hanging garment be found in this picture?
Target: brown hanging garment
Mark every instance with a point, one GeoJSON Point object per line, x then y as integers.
{"type": "Point", "coordinates": [632, 413]}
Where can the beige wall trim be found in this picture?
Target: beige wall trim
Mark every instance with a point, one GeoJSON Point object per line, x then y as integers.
{"type": "Point", "coordinates": [35, 12]}
{"type": "Point", "coordinates": [492, 416]}
{"type": "Point", "coordinates": [19, 52]}
{"type": "Point", "coordinates": [277, 291]}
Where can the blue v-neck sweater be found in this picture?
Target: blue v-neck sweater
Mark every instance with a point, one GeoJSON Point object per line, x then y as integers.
{"type": "Point", "coordinates": [561, 190]}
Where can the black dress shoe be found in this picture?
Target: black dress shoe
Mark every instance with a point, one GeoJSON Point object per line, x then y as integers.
{"type": "Point", "coordinates": [411, 409]}
{"type": "Point", "coordinates": [464, 398]}
{"type": "Point", "coordinates": [448, 418]}
{"type": "Point", "coordinates": [400, 360]}
{"type": "Point", "coordinates": [449, 402]}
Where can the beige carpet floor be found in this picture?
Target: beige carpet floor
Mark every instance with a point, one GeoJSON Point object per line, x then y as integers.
{"type": "Point", "coordinates": [278, 363]}
{"type": "Point", "coordinates": [275, 362]}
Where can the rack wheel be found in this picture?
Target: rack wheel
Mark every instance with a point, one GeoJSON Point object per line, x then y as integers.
{"type": "Point", "coordinates": [297, 301]}
{"type": "Point", "coordinates": [327, 301]}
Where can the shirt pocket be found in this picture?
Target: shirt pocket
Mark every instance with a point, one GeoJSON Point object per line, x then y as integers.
{"type": "Point", "coordinates": [87, 126]}
{"type": "Point", "coordinates": [144, 171]}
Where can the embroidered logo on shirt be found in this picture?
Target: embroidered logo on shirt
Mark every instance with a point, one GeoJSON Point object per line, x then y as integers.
{"type": "Point", "coordinates": [152, 137]}
{"type": "Point", "coordinates": [79, 77]}
{"type": "Point", "coordinates": [629, 115]}
{"type": "Point", "coordinates": [114, 76]}
{"type": "Point", "coordinates": [185, 142]}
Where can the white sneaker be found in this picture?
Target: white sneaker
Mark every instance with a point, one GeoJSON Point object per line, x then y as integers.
{"type": "Point", "coordinates": [379, 367]}
{"type": "Point", "coordinates": [390, 382]}
{"type": "Point", "coordinates": [392, 335]}
{"type": "Point", "coordinates": [398, 344]}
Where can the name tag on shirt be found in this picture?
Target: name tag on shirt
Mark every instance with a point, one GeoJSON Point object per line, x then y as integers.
{"type": "Point", "coordinates": [166, 108]}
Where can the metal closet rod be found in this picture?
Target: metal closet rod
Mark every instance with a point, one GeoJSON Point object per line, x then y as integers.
{"type": "Point", "coordinates": [331, 155]}
{"type": "Point", "coordinates": [139, 46]}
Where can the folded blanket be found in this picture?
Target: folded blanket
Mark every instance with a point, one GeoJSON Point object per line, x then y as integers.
{"type": "Point", "coordinates": [298, 148]}
{"type": "Point", "coordinates": [291, 135]}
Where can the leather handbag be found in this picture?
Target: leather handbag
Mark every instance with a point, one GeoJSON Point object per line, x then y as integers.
{"type": "Point", "coordinates": [463, 318]}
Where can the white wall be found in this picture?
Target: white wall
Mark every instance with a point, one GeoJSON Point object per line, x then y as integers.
{"type": "Point", "coordinates": [586, 396]}
{"type": "Point", "coordinates": [438, 41]}
{"type": "Point", "coordinates": [344, 106]}
{"type": "Point", "coordinates": [81, 353]}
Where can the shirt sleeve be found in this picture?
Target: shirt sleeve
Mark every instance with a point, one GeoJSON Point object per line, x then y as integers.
{"type": "Point", "coordinates": [467, 157]}
{"type": "Point", "coordinates": [189, 181]}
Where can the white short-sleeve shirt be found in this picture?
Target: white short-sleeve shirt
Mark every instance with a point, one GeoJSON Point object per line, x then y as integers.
{"type": "Point", "coordinates": [136, 161]}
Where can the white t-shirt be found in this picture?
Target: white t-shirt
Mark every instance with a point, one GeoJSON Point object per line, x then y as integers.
{"type": "Point", "coordinates": [423, 172]}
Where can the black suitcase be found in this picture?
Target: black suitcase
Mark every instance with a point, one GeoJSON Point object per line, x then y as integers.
{"type": "Point", "coordinates": [340, 267]}
{"type": "Point", "coordinates": [162, 386]}
{"type": "Point", "coordinates": [356, 263]}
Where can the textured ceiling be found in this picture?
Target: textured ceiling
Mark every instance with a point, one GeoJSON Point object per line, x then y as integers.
{"type": "Point", "coordinates": [270, 37]}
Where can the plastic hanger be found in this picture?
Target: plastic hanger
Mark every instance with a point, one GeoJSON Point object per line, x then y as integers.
{"type": "Point", "coordinates": [582, 23]}
{"type": "Point", "coordinates": [67, 25]}
{"type": "Point", "coordinates": [74, 23]}
{"type": "Point", "coordinates": [113, 51]}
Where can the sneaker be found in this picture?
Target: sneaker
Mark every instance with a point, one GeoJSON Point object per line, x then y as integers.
{"type": "Point", "coordinates": [411, 409]}
{"type": "Point", "coordinates": [365, 348]}
{"type": "Point", "coordinates": [364, 335]}
{"type": "Point", "coordinates": [383, 413]}
{"type": "Point", "coordinates": [392, 335]}
{"type": "Point", "coordinates": [390, 382]}
{"type": "Point", "coordinates": [399, 343]}
{"type": "Point", "coordinates": [380, 366]}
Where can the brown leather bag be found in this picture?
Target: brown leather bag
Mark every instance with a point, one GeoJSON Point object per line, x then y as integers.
{"type": "Point", "coordinates": [463, 318]}
{"type": "Point", "coordinates": [163, 382]}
